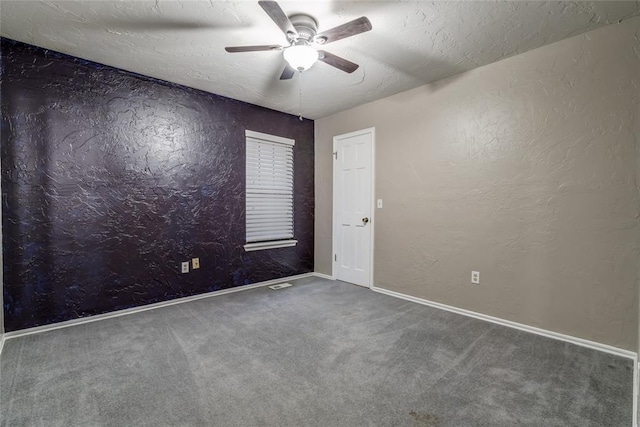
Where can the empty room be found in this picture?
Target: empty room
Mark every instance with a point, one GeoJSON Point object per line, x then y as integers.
{"type": "Point", "coordinates": [320, 213]}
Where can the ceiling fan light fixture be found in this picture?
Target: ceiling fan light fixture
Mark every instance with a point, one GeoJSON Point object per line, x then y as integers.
{"type": "Point", "coordinates": [300, 57]}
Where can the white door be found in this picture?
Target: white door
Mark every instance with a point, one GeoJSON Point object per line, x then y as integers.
{"type": "Point", "coordinates": [352, 204]}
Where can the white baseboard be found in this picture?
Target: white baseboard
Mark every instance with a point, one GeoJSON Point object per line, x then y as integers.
{"type": "Point", "coordinates": [133, 310]}
{"type": "Point", "coordinates": [532, 329]}
{"type": "Point", "coordinates": [324, 276]}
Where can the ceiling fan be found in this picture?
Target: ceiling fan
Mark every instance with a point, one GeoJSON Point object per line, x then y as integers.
{"type": "Point", "coordinates": [303, 37]}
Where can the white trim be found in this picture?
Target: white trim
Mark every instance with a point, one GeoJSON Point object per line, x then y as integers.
{"type": "Point", "coordinates": [373, 204]}
{"type": "Point", "coordinates": [267, 137]}
{"type": "Point", "coordinates": [334, 213]}
{"type": "Point", "coordinates": [635, 391]}
{"type": "Point", "coordinates": [125, 312]}
{"type": "Point", "coordinates": [324, 276]}
{"type": "Point", "coordinates": [2, 338]}
{"type": "Point", "coordinates": [334, 234]}
{"type": "Point", "coordinates": [258, 246]}
{"type": "Point", "coordinates": [532, 329]}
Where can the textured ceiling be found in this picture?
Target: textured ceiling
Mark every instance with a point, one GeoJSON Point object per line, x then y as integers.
{"type": "Point", "coordinates": [412, 43]}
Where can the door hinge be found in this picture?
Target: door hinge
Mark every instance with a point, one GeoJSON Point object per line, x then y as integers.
{"type": "Point", "coordinates": [335, 155]}
{"type": "Point", "coordinates": [335, 257]}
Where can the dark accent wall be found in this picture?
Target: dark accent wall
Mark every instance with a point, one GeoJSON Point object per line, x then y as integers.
{"type": "Point", "coordinates": [111, 179]}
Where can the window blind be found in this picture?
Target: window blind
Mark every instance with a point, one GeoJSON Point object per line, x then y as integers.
{"type": "Point", "coordinates": [269, 192]}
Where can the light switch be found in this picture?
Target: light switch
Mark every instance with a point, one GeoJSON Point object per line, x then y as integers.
{"type": "Point", "coordinates": [195, 263]}
{"type": "Point", "coordinates": [379, 203]}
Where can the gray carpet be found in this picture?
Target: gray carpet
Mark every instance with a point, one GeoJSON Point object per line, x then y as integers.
{"type": "Point", "coordinates": [318, 354]}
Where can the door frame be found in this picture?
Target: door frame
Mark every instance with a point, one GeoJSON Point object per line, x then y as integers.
{"type": "Point", "coordinates": [372, 222]}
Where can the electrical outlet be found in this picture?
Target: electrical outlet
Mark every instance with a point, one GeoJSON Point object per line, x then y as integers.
{"type": "Point", "coordinates": [475, 277]}
{"type": "Point", "coordinates": [379, 203]}
{"type": "Point", "coordinates": [195, 263]}
{"type": "Point", "coordinates": [185, 267]}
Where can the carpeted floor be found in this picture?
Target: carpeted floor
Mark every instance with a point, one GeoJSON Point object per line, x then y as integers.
{"type": "Point", "coordinates": [320, 353]}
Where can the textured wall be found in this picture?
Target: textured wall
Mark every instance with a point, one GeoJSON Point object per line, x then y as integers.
{"type": "Point", "coordinates": [526, 170]}
{"type": "Point", "coordinates": [110, 180]}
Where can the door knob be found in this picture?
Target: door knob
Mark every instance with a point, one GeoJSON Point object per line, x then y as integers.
{"type": "Point", "coordinates": [365, 220]}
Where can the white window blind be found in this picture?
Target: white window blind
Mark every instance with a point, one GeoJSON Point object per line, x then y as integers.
{"type": "Point", "coordinates": [269, 192]}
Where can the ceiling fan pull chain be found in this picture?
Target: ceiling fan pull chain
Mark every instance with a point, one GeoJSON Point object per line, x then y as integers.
{"type": "Point", "coordinates": [300, 95]}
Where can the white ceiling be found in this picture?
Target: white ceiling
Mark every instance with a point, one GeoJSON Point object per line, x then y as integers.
{"type": "Point", "coordinates": [412, 42]}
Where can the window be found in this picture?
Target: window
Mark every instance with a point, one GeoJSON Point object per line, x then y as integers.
{"type": "Point", "coordinates": [269, 197]}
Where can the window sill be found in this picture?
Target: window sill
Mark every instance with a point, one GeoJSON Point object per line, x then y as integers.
{"type": "Point", "coordinates": [269, 245]}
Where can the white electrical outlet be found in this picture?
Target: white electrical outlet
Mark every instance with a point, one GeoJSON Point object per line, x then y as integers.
{"type": "Point", "coordinates": [475, 277]}
{"type": "Point", "coordinates": [185, 267]}
{"type": "Point", "coordinates": [379, 203]}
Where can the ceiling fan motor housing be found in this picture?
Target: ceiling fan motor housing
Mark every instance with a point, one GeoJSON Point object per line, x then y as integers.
{"type": "Point", "coordinates": [305, 25]}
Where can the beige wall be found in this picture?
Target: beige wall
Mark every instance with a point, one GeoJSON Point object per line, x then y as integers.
{"type": "Point", "coordinates": [525, 170]}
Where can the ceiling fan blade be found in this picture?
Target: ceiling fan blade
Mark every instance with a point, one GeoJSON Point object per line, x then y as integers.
{"type": "Point", "coordinates": [335, 61]}
{"type": "Point", "coordinates": [235, 49]}
{"type": "Point", "coordinates": [276, 13]}
{"type": "Point", "coordinates": [162, 24]}
{"type": "Point", "coordinates": [287, 73]}
{"type": "Point", "coordinates": [357, 26]}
